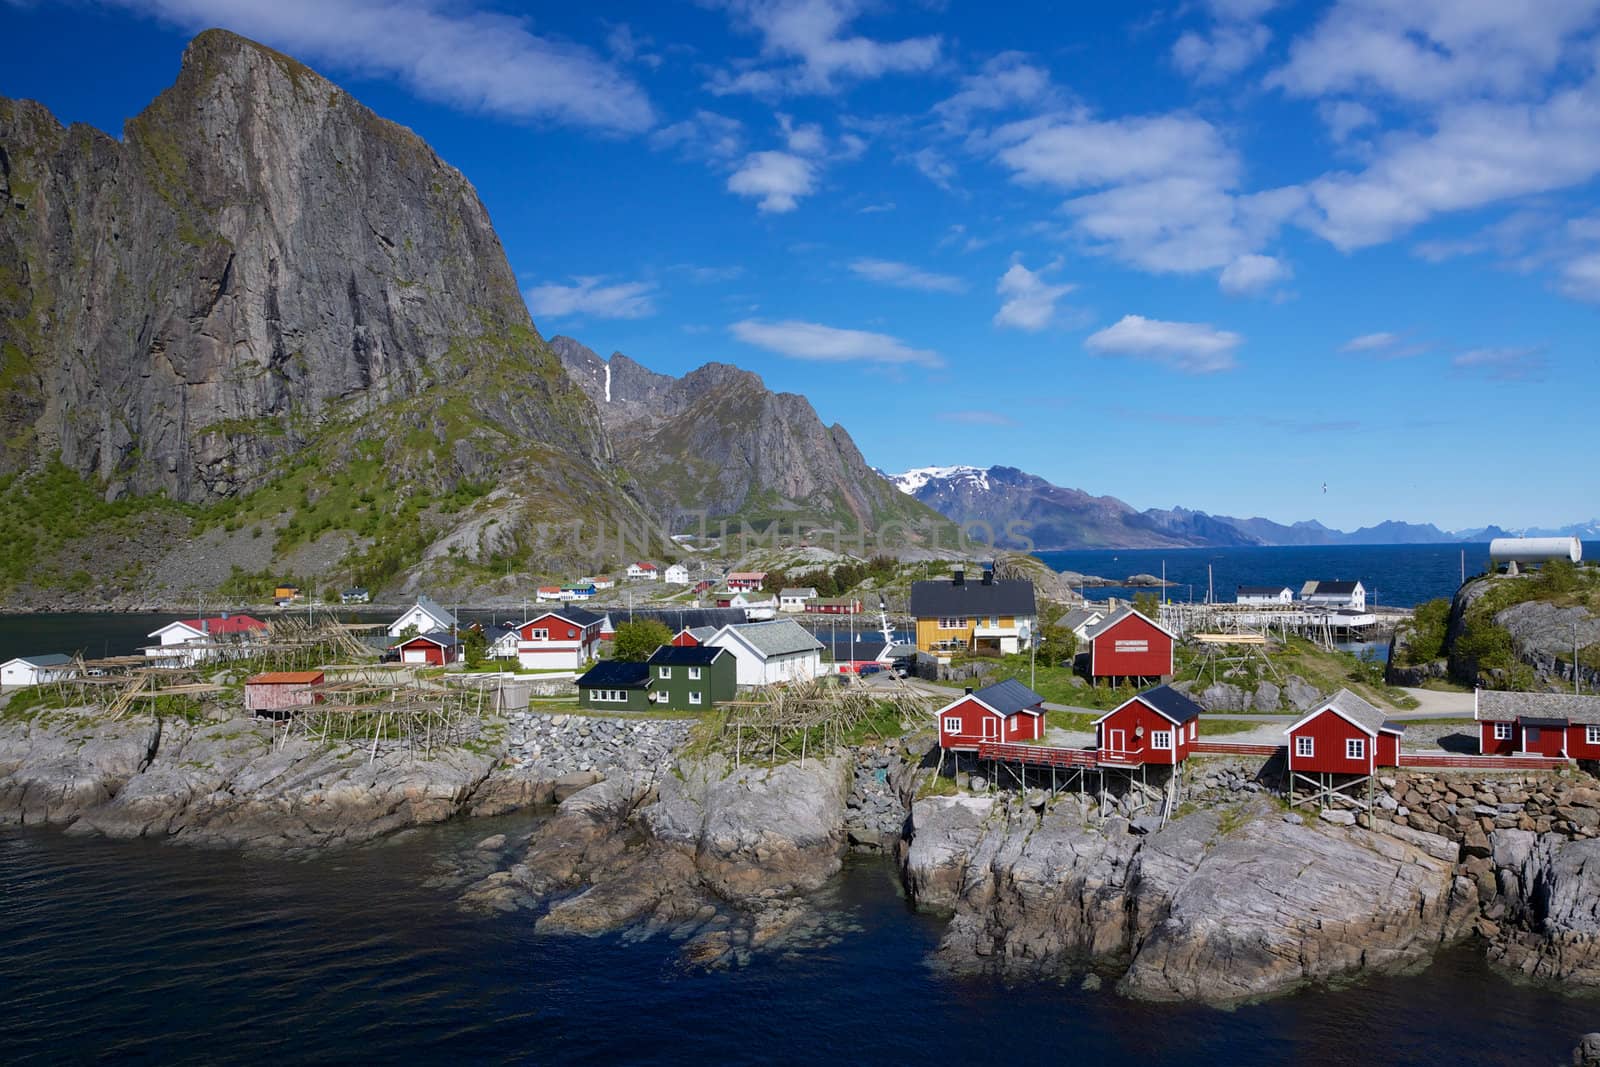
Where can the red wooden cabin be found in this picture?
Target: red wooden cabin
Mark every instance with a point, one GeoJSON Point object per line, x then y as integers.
{"type": "Point", "coordinates": [436, 649]}
{"type": "Point", "coordinates": [1004, 711]}
{"type": "Point", "coordinates": [282, 691]}
{"type": "Point", "coordinates": [1542, 724]}
{"type": "Point", "coordinates": [1344, 735]}
{"type": "Point", "coordinates": [1128, 645]}
{"type": "Point", "coordinates": [1159, 726]}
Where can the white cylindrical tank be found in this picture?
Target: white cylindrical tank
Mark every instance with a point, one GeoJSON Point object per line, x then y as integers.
{"type": "Point", "coordinates": [1535, 549]}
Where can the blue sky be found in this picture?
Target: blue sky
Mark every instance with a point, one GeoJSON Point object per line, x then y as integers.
{"type": "Point", "coordinates": [1212, 253]}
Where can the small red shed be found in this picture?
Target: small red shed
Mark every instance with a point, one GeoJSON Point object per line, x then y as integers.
{"type": "Point", "coordinates": [1004, 711]}
{"type": "Point", "coordinates": [282, 691]}
{"type": "Point", "coordinates": [1128, 645]}
{"type": "Point", "coordinates": [1344, 735]}
{"type": "Point", "coordinates": [1158, 726]}
{"type": "Point", "coordinates": [437, 649]}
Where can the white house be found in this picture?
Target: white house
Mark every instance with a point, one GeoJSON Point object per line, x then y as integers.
{"type": "Point", "coordinates": [604, 581]}
{"type": "Point", "coordinates": [1080, 621]}
{"type": "Point", "coordinates": [547, 592]}
{"type": "Point", "coordinates": [769, 653]}
{"type": "Point", "coordinates": [423, 617]}
{"type": "Point", "coordinates": [187, 642]}
{"type": "Point", "coordinates": [33, 670]}
{"type": "Point", "coordinates": [564, 638]}
{"type": "Point", "coordinates": [677, 574]}
{"type": "Point", "coordinates": [644, 571]}
{"type": "Point", "coordinates": [793, 600]}
{"type": "Point", "coordinates": [502, 642]}
{"type": "Point", "coordinates": [1336, 594]}
{"type": "Point", "coordinates": [1264, 595]}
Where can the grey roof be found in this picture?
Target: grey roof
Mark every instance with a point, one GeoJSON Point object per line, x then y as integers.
{"type": "Point", "coordinates": [933, 600]}
{"type": "Point", "coordinates": [1171, 703]}
{"type": "Point", "coordinates": [700, 633]}
{"type": "Point", "coordinates": [492, 634]}
{"type": "Point", "coordinates": [1009, 697]}
{"type": "Point", "coordinates": [781, 637]}
{"type": "Point", "coordinates": [432, 607]}
{"type": "Point", "coordinates": [687, 656]}
{"type": "Point", "coordinates": [1331, 588]}
{"type": "Point", "coordinates": [1358, 711]}
{"type": "Point", "coordinates": [53, 659]}
{"type": "Point", "coordinates": [1115, 617]}
{"type": "Point", "coordinates": [803, 591]}
{"type": "Point", "coordinates": [572, 615]}
{"type": "Point", "coordinates": [1077, 617]}
{"type": "Point", "coordinates": [1262, 590]}
{"type": "Point", "coordinates": [1493, 704]}
{"type": "Point", "coordinates": [615, 674]}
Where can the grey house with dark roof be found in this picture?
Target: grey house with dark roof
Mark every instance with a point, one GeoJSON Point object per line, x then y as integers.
{"type": "Point", "coordinates": [959, 615]}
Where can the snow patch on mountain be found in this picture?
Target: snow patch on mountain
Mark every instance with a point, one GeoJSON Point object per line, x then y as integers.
{"type": "Point", "coordinates": [910, 481]}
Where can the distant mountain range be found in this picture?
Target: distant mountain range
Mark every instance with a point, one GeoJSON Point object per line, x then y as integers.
{"type": "Point", "coordinates": [1054, 517]}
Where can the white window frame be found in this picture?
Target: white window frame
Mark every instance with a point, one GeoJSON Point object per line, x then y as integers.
{"type": "Point", "coordinates": [1194, 729]}
{"type": "Point", "coordinates": [1161, 740]}
{"type": "Point", "coordinates": [952, 724]}
{"type": "Point", "coordinates": [694, 674]}
{"type": "Point", "coordinates": [664, 672]}
{"type": "Point", "coordinates": [1591, 735]}
{"type": "Point", "coordinates": [1502, 731]}
{"type": "Point", "coordinates": [694, 696]}
{"type": "Point", "coordinates": [1355, 748]}
{"type": "Point", "coordinates": [1305, 746]}
{"type": "Point", "coordinates": [952, 623]}
{"type": "Point", "coordinates": [539, 635]}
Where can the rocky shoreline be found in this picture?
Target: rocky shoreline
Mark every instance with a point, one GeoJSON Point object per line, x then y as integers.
{"type": "Point", "coordinates": [1233, 898]}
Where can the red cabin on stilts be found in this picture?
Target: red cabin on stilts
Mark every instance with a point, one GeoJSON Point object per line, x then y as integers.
{"type": "Point", "coordinates": [1159, 726]}
{"type": "Point", "coordinates": [1343, 735]}
{"type": "Point", "coordinates": [1004, 711]}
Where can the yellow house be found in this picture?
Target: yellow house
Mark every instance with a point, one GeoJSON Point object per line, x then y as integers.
{"type": "Point", "coordinates": [286, 592]}
{"type": "Point", "coordinates": [962, 616]}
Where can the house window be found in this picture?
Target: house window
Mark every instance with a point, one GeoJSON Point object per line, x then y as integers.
{"type": "Point", "coordinates": [1305, 746]}
{"type": "Point", "coordinates": [538, 635]}
{"type": "Point", "coordinates": [1355, 748]}
{"type": "Point", "coordinates": [952, 724]}
{"type": "Point", "coordinates": [663, 672]}
{"type": "Point", "coordinates": [694, 674]}
{"type": "Point", "coordinates": [1193, 729]}
{"type": "Point", "coordinates": [1591, 734]}
{"type": "Point", "coordinates": [1502, 731]}
{"type": "Point", "coordinates": [694, 696]}
{"type": "Point", "coordinates": [1161, 739]}
{"type": "Point", "coordinates": [951, 624]}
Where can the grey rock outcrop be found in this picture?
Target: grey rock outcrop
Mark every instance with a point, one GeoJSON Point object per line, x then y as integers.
{"type": "Point", "coordinates": [54, 768]}
{"type": "Point", "coordinates": [1300, 694]}
{"type": "Point", "coordinates": [1551, 887]}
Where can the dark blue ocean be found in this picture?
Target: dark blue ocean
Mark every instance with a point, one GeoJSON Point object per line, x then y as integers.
{"type": "Point", "coordinates": [1395, 575]}
{"type": "Point", "coordinates": [139, 952]}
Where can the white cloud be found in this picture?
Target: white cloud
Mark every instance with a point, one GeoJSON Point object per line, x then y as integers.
{"type": "Point", "coordinates": [1079, 153]}
{"type": "Point", "coordinates": [905, 276]}
{"type": "Point", "coordinates": [1192, 347]}
{"type": "Point", "coordinates": [829, 344]}
{"type": "Point", "coordinates": [1369, 342]}
{"type": "Point", "coordinates": [1181, 224]}
{"type": "Point", "coordinates": [807, 49]}
{"type": "Point", "coordinates": [1028, 301]}
{"type": "Point", "coordinates": [1478, 154]}
{"type": "Point", "coordinates": [1224, 51]}
{"type": "Point", "coordinates": [704, 135]}
{"type": "Point", "coordinates": [1007, 80]}
{"type": "Point", "coordinates": [1344, 117]}
{"type": "Point", "coordinates": [777, 179]}
{"type": "Point", "coordinates": [1580, 278]}
{"type": "Point", "coordinates": [1251, 274]}
{"type": "Point", "coordinates": [806, 138]}
{"type": "Point", "coordinates": [932, 164]}
{"type": "Point", "coordinates": [588, 297]}
{"type": "Point", "coordinates": [973, 417]}
{"type": "Point", "coordinates": [1504, 364]}
{"type": "Point", "coordinates": [474, 60]}
{"type": "Point", "coordinates": [1433, 50]}
{"type": "Point", "coordinates": [875, 209]}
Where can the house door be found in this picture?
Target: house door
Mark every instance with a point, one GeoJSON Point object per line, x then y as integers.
{"type": "Point", "coordinates": [1116, 740]}
{"type": "Point", "coordinates": [991, 728]}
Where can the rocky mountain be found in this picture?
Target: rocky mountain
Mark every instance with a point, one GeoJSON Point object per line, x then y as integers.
{"type": "Point", "coordinates": [266, 291]}
{"type": "Point", "coordinates": [1053, 517]}
{"type": "Point", "coordinates": [717, 441]}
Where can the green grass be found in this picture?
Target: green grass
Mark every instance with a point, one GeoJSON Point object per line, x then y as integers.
{"type": "Point", "coordinates": [1210, 727]}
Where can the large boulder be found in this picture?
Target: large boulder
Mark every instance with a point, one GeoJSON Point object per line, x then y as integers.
{"type": "Point", "coordinates": [1551, 890]}
{"type": "Point", "coordinates": [1223, 696]}
{"type": "Point", "coordinates": [1301, 694]}
{"type": "Point", "coordinates": [58, 765]}
{"type": "Point", "coordinates": [1267, 697]}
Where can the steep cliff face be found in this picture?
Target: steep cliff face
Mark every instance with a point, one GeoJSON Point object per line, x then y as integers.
{"type": "Point", "coordinates": [259, 259]}
{"type": "Point", "coordinates": [718, 441]}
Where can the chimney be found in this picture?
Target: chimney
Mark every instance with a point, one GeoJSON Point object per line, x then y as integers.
{"type": "Point", "coordinates": [969, 690]}
{"type": "Point", "coordinates": [959, 577]}
{"type": "Point", "coordinates": [988, 576]}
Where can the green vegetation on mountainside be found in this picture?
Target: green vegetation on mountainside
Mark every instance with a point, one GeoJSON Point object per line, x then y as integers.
{"type": "Point", "coordinates": [1489, 647]}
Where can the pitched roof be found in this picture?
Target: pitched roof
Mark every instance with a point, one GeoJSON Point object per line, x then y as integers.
{"type": "Point", "coordinates": [699, 633]}
{"type": "Point", "coordinates": [1078, 616]}
{"type": "Point", "coordinates": [1008, 697]}
{"type": "Point", "coordinates": [437, 637]}
{"type": "Point", "coordinates": [433, 608]}
{"type": "Point", "coordinates": [616, 674]}
{"type": "Point", "coordinates": [803, 591]}
{"type": "Point", "coordinates": [1171, 703]}
{"type": "Point", "coordinates": [1354, 709]}
{"type": "Point", "coordinates": [1493, 704]}
{"type": "Point", "coordinates": [285, 678]}
{"type": "Point", "coordinates": [1117, 616]}
{"type": "Point", "coordinates": [1329, 588]}
{"type": "Point", "coordinates": [576, 616]}
{"type": "Point", "coordinates": [222, 624]}
{"type": "Point", "coordinates": [52, 659]}
{"type": "Point", "coordinates": [933, 600]}
{"type": "Point", "coordinates": [687, 655]}
{"type": "Point", "coordinates": [747, 576]}
{"type": "Point", "coordinates": [780, 637]}
{"type": "Point", "coordinates": [1262, 590]}
{"type": "Point", "coordinates": [492, 634]}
